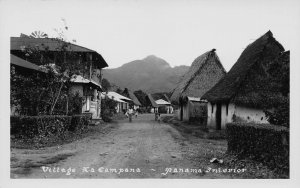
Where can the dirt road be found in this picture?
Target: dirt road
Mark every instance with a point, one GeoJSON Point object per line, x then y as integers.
{"type": "Point", "coordinates": [143, 148]}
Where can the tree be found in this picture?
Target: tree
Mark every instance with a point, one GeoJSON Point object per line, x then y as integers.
{"type": "Point", "coordinates": [126, 93]}
{"type": "Point", "coordinates": [105, 84]}
{"type": "Point", "coordinates": [279, 73]}
{"type": "Point", "coordinates": [108, 109]}
{"type": "Point", "coordinates": [119, 90]}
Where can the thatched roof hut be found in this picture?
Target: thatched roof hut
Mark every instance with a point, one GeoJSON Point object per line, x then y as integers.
{"type": "Point", "coordinates": [248, 82]}
{"type": "Point", "coordinates": [134, 98]}
{"type": "Point", "coordinates": [152, 101]}
{"type": "Point", "coordinates": [204, 73]}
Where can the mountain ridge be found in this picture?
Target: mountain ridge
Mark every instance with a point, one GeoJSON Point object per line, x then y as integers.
{"type": "Point", "coordinates": [150, 74]}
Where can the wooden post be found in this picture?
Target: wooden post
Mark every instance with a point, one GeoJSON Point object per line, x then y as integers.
{"type": "Point", "coordinates": [91, 64]}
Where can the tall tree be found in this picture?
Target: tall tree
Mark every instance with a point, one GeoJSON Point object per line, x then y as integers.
{"type": "Point", "coordinates": [106, 85]}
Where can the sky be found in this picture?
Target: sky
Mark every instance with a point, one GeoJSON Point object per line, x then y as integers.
{"type": "Point", "coordinates": [176, 31]}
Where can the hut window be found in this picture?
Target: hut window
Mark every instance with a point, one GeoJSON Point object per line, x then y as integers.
{"type": "Point", "coordinates": [212, 108]}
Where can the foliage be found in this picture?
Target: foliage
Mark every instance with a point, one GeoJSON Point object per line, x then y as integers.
{"type": "Point", "coordinates": [126, 93]}
{"type": "Point", "coordinates": [105, 84]}
{"type": "Point", "coordinates": [39, 126]}
{"type": "Point", "coordinates": [266, 143]}
{"type": "Point", "coordinates": [280, 115]}
{"type": "Point", "coordinates": [279, 71]}
{"type": "Point", "coordinates": [39, 93]}
{"type": "Point", "coordinates": [35, 93]}
{"type": "Point", "coordinates": [79, 123]}
{"type": "Point", "coordinates": [162, 109]}
{"type": "Point", "coordinates": [119, 90]}
{"type": "Point", "coordinates": [108, 109]}
{"type": "Point", "coordinates": [75, 103]}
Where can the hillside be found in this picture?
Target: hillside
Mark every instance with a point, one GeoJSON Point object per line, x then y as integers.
{"type": "Point", "coordinates": [151, 74]}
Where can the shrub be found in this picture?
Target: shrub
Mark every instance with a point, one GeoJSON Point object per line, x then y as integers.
{"type": "Point", "coordinates": [162, 110]}
{"type": "Point", "coordinates": [266, 143]}
{"type": "Point", "coordinates": [79, 123]}
{"type": "Point", "coordinates": [280, 115]}
{"type": "Point", "coordinates": [75, 103]}
{"type": "Point", "coordinates": [108, 109]}
{"type": "Point", "coordinates": [41, 126]}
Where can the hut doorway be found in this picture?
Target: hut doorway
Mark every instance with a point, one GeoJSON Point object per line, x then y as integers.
{"type": "Point", "coordinates": [218, 117]}
{"type": "Point", "coordinates": [181, 112]}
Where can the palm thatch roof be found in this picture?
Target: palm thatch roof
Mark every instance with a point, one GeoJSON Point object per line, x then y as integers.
{"type": "Point", "coordinates": [52, 44]}
{"type": "Point", "coordinates": [134, 99]}
{"type": "Point", "coordinates": [204, 73]}
{"type": "Point", "coordinates": [152, 101]}
{"type": "Point", "coordinates": [248, 81]}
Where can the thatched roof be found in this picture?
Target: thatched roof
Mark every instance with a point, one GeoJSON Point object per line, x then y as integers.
{"type": "Point", "coordinates": [152, 101]}
{"type": "Point", "coordinates": [204, 73]}
{"type": "Point", "coordinates": [52, 45]}
{"type": "Point", "coordinates": [162, 95]}
{"type": "Point", "coordinates": [247, 82]}
{"type": "Point", "coordinates": [134, 99]}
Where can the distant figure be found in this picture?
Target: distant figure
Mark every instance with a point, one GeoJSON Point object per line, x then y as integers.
{"type": "Point", "coordinates": [136, 113]}
{"type": "Point", "coordinates": [155, 116]}
{"type": "Point", "coordinates": [158, 117]}
{"type": "Point", "coordinates": [130, 113]}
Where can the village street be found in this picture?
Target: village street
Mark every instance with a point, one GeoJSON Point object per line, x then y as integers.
{"type": "Point", "coordinates": [144, 148]}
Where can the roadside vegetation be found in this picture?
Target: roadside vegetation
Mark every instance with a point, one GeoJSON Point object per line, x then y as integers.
{"type": "Point", "coordinates": [207, 145]}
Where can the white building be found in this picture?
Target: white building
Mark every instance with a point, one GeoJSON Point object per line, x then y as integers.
{"type": "Point", "coordinates": [122, 101]}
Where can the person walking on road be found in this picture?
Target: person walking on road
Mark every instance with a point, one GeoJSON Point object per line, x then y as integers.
{"type": "Point", "coordinates": [158, 118]}
{"type": "Point", "coordinates": [130, 113]}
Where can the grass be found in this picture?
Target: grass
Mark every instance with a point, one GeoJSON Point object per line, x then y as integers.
{"type": "Point", "coordinates": [194, 129]}
{"type": "Point", "coordinates": [56, 141]}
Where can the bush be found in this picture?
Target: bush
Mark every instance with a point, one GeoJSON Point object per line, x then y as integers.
{"type": "Point", "coordinates": [42, 126]}
{"type": "Point", "coordinates": [280, 115]}
{"type": "Point", "coordinates": [268, 144]}
{"type": "Point", "coordinates": [108, 109]}
{"type": "Point", "coordinates": [75, 103]}
{"type": "Point", "coordinates": [79, 123]}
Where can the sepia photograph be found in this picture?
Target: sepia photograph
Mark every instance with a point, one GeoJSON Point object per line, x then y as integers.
{"type": "Point", "coordinates": [140, 89]}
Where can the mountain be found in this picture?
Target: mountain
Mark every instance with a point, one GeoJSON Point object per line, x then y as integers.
{"type": "Point", "coordinates": [151, 74]}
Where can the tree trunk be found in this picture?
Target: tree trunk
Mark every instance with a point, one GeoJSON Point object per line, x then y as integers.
{"type": "Point", "coordinates": [52, 108]}
{"type": "Point", "coordinates": [67, 108]}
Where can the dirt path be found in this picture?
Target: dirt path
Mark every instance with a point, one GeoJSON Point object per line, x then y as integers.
{"type": "Point", "coordinates": [143, 148]}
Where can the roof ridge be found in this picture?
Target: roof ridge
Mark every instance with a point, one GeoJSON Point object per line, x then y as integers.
{"type": "Point", "coordinates": [199, 70]}
{"type": "Point", "coordinates": [53, 40]}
